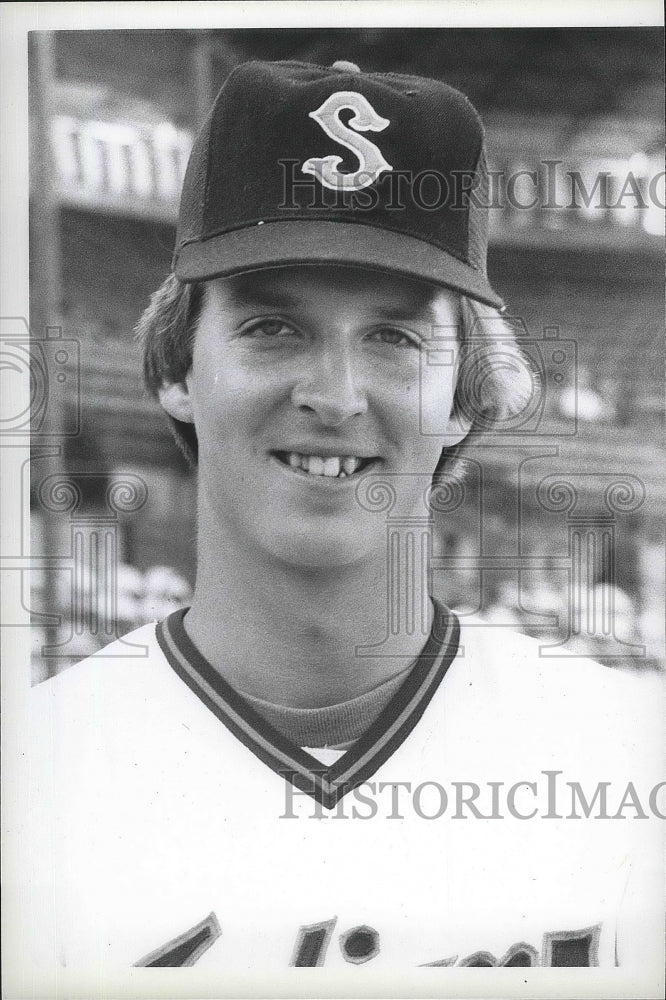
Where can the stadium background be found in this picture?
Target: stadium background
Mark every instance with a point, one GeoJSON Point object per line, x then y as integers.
{"type": "Point", "coordinates": [112, 117]}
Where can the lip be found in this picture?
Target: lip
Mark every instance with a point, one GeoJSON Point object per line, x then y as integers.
{"type": "Point", "coordinates": [327, 482]}
{"type": "Point", "coordinates": [326, 450]}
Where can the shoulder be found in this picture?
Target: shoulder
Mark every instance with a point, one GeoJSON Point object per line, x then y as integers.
{"type": "Point", "coordinates": [105, 694]}
{"type": "Point", "coordinates": [511, 659]}
{"type": "Point", "coordinates": [545, 690]}
{"type": "Point", "coordinates": [121, 660]}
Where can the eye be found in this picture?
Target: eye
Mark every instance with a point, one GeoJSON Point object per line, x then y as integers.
{"type": "Point", "coordinates": [393, 337]}
{"type": "Point", "coordinates": [269, 329]}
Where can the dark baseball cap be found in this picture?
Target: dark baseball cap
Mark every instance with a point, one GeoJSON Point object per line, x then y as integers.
{"type": "Point", "coordinates": [298, 163]}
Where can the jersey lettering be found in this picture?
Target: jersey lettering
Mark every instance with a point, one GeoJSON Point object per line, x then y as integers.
{"type": "Point", "coordinates": [370, 159]}
{"type": "Point", "coordinates": [573, 949]}
{"type": "Point", "coordinates": [360, 944]}
{"type": "Point", "coordinates": [312, 944]}
{"type": "Point", "coordinates": [519, 955]}
{"type": "Point", "coordinates": [186, 948]}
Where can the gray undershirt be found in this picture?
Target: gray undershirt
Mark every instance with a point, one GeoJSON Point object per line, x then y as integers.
{"type": "Point", "coordinates": [333, 726]}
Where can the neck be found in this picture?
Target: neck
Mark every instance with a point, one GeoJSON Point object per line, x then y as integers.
{"type": "Point", "coordinates": [290, 635]}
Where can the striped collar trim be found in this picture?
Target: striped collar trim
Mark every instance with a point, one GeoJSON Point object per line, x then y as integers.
{"type": "Point", "coordinates": [327, 785]}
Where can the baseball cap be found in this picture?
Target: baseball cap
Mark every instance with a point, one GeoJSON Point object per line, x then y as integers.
{"type": "Point", "coordinates": [297, 163]}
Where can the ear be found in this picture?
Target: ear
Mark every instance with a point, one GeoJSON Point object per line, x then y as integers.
{"type": "Point", "coordinates": [176, 401]}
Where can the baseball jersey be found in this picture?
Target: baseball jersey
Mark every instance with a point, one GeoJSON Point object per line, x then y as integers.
{"type": "Point", "coordinates": [172, 826]}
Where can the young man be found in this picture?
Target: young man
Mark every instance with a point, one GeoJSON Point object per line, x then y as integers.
{"type": "Point", "coordinates": [315, 764]}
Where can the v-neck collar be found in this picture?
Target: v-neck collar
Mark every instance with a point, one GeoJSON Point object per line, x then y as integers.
{"type": "Point", "coordinates": [326, 785]}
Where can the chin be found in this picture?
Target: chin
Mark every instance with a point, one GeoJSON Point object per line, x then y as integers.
{"type": "Point", "coordinates": [329, 546]}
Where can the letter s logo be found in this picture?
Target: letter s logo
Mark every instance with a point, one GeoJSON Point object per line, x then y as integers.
{"type": "Point", "coordinates": [365, 119]}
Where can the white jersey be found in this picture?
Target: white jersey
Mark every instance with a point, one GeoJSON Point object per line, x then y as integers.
{"type": "Point", "coordinates": [171, 826]}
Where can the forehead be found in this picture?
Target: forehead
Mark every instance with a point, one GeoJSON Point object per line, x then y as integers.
{"type": "Point", "coordinates": [307, 287]}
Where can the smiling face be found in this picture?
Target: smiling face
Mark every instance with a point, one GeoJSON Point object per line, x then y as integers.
{"type": "Point", "coordinates": [303, 380]}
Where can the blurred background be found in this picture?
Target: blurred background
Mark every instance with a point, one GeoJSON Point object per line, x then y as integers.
{"type": "Point", "coordinates": [113, 504]}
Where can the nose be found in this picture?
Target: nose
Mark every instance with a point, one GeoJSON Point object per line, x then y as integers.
{"type": "Point", "coordinates": [330, 388]}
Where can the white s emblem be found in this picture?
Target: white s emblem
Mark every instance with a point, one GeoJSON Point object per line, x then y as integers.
{"type": "Point", "coordinates": [365, 119]}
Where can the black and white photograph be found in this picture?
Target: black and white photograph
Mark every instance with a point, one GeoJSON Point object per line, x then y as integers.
{"type": "Point", "coordinates": [333, 492]}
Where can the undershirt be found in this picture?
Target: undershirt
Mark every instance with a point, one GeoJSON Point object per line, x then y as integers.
{"type": "Point", "coordinates": [349, 736]}
{"type": "Point", "coordinates": [332, 729]}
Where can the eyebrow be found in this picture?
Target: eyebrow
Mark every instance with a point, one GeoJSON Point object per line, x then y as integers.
{"type": "Point", "coordinates": [271, 298]}
{"type": "Point", "coordinates": [250, 292]}
{"type": "Point", "coordinates": [408, 311]}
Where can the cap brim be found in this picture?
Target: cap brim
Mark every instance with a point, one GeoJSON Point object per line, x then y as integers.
{"type": "Point", "coordinates": [301, 241]}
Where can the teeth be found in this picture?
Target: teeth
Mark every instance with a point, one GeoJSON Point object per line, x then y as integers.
{"type": "Point", "coordinates": [335, 467]}
{"type": "Point", "coordinates": [332, 466]}
{"type": "Point", "coordinates": [316, 465]}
